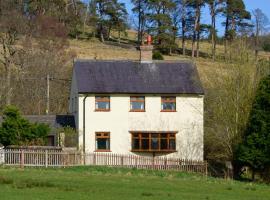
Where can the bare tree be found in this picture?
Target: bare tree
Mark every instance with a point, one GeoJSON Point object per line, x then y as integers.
{"type": "Point", "coordinates": [261, 22]}
{"type": "Point", "coordinates": [12, 23]}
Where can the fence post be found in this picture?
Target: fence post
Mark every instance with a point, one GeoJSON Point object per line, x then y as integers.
{"type": "Point", "coordinates": [46, 158]}
{"type": "Point", "coordinates": [153, 162]}
{"type": "Point", "coordinates": [122, 160]}
{"type": "Point", "coordinates": [2, 155]}
{"type": "Point", "coordinates": [22, 159]}
{"type": "Point", "coordinates": [206, 168]}
{"type": "Point", "coordinates": [165, 163]}
{"type": "Point", "coordinates": [94, 159]}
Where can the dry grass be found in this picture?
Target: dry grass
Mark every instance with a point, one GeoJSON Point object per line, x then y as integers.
{"type": "Point", "coordinates": [93, 49]}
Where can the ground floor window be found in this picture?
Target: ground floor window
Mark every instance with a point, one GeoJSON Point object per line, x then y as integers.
{"type": "Point", "coordinates": [153, 141]}
{"type": "Point", "coordinates": [102, 141]}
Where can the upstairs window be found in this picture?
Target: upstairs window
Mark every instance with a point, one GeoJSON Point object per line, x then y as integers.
{"type": "Point", "coordinates": [153, 142]}
{"type": "Point", "coordinates": [102, 103]}
{"type": "Point", "coordinates": [102, 141]}
{"type": "Point", "coordinates": [168, 104]}
{"type": "Point", "coordinates": [137, 104]}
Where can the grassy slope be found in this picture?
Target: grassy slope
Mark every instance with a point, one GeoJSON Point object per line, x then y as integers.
{"type": "Point", "coordinates": [94, 49]}
{"type": "Point", "coordinates": [108, 183]}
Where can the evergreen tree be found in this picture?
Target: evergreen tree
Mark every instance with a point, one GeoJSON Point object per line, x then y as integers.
{"type": "Point", "coordinates": [110, 14]}
{"type": "Point", "coordinates": [196, 5]}
{"type": "Point", "coordinates": [139, 9]}
{"type": "Point", "coordinates": [215, 9]}
{"type": "Point", "coordinates": [16, 130]}
{"type": "Point", "coordinates": [160, 23]}
{"type": "Point", "coordinates": [255, 149]}
{"type": "Point", "coordinates": [236, 14]}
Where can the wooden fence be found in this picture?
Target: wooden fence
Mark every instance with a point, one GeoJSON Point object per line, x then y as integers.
{"type": "Point", "coordinates": [46, 158]}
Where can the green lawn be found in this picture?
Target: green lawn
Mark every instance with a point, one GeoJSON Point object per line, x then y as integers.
{"type": "Point", "coordinates": [110, 183]}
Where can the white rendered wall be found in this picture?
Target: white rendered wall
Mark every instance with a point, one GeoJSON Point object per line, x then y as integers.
{"type": "Point", "coordinates": [188, 121]}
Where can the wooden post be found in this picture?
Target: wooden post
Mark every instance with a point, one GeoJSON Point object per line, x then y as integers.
{"type": "Point", "coordinates": [94, 159]}
{"type": "Point", "coordinates": [46, 158]}
{"type": "Point", "coordinates": [165, 163]}
{"type": "Point", "coordinates": [22, 159]}
{"type": "Point", "coordinates": [206, 169]}
{"type": "Point", "coordinates": [122, 160]}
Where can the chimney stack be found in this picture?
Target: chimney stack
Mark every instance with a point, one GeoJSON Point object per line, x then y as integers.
{"type": "Point", "coordinates": [146, 51]}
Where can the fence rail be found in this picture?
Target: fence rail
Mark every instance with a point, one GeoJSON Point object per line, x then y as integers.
{"type": "Point", "coordinates": [46, 158]}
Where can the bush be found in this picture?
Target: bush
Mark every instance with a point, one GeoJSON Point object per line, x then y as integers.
{"type": "Point", "coordinates": [266, 47]}
{"type": "Point", "coordinates": [157, 56]}
{"type": "Point", "coordinates": [16, 130]}
{"type": "Point", "coordinates": [255, 149]}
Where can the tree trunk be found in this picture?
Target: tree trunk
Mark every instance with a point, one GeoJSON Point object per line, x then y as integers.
{"type": "Point", "coordinates": [198, 44]}
{"type": "Point", "coordinates": [85, 18]}
{"type": "Point", "coordinates": [184, 37]}
{"type": "Point", "coordinates": [195, 29]}
{"type": "Point", "coordinates": [213, 30]}
{"type": "Point", "coordinates": [198, 34]}
{"type": "Point", "coordinates": [257, 39]}
{"type": "Point", "coordinates": [139, 39]}
{"type": "Point", "coordinates": [226, 37]}
{"type": "Point", "coordinates": [8, 79]}
{"type": "Point", "coordinates": [119, 36]}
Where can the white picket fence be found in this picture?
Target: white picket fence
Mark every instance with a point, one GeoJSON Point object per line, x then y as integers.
{"type": "Point", "coordinates": [51, 158]}
{"type": "Point", "coordinates": [2, 155]}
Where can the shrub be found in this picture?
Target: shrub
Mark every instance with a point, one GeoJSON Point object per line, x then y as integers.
{"type": "Point", "coordinates": [157, 56]}
{"type": "Point", "coordinates": [16, 130]}
{"type": "Point", "coordinates": [266, 47]}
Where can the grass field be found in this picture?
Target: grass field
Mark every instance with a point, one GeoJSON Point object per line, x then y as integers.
{"type": "Point", "coordinates": [111, 183]}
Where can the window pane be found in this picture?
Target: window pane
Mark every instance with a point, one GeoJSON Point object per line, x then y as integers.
{"type": "Point", "coordinates": [103, 144]}
{"type": "Point", "coordinates": [135, 143]}
{"type": "Point", "coordinates": [163, 144]}
{"type": "Point", "coordinates": [168, 106]}
{"type": "Point", "coordinates": [103, 105]}
{"type": "Point", "coordinates": [145, 144]}
{"type": "Point", "coordinates": [172, 144]}
{"type": "Point", "coordinates": [137, 106]}
{"type": "Point", "coordinates": [154, 141]}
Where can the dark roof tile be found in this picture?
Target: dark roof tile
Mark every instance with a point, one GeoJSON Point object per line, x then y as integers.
{"type": "Point", "coordinates": [134, 77]}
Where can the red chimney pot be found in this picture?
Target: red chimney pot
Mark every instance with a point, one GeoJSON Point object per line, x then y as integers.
{"type": "Point", "coordinates": [149, 40]}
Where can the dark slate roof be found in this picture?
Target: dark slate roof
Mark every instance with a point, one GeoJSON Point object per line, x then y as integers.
{"type": "Point", "coordinates": [54, 121]}
{"type": "Point", "coordinates": [139, 78]}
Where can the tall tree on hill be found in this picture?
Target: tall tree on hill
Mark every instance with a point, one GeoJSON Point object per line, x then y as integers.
{"type": "Point", "coordinates": [196, 5]}
{"type": "Point", "coordinates": [109, 13]}
{"type": "Point", "coordinates": [160, 22]}
{"type": "Point", "coordinates": [215, 8]}
{"type": "Point", "coordinates": [118, 19]}
{"type": "Point", "coordinates": [261, 22]}
{"type": "Point", "coordinates": [139, 9]}
{"type": "Point", "coordinates": [93, 16]}
{"type": "Point", "coordinates": [236, 14]}
{"type": "Point", "coordinates": [183, 11]}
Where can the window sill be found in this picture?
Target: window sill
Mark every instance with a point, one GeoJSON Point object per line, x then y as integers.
{"type": "Point", "coordinates": [168, 111]}
{"type": "Point", "coordinates": [154, 151]}
{"type": "Point", "coordinates": [102, 150]}
{"type": "Point", "coordinates": [97, 110]}
{"type": "Point", "coordinates": [137, 111]}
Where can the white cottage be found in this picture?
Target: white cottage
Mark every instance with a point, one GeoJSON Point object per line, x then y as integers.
{"type": "Point", "coordinates": [141, 107]}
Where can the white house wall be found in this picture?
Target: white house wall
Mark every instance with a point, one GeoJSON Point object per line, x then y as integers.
{"type": "Point", "coordinates": [188, 121]}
